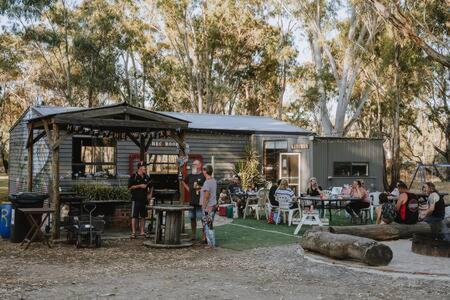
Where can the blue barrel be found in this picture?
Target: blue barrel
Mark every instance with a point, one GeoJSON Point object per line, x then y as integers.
{"type": "Point", "coordinates": [5, 220]}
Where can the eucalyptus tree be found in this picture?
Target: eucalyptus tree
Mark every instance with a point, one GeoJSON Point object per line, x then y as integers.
{"type": "Point", "coordinates": [340, 38]}
{"type": "Point", "coordinates": [224, 53]}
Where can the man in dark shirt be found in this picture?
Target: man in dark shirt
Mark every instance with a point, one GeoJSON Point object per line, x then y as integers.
{"type": "Point", "coordinates": [193, 183]}
{"type": "Point", "coordinates": [139, 184]}
{"type": "Point", "coordinates": [235, 186]}
{"type": "Point", "coordinates": [272, 191]}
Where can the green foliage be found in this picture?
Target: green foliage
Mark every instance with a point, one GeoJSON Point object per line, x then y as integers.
{"type": "Point", "coordinates": [248, 168]}
{"type": "Point", "coordinates": [102, 192]}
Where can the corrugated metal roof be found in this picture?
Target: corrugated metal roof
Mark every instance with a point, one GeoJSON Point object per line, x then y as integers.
{"type": "Point", "coordinates": [53, 110]}
{"type": "Point", "coordinates": [237, 123]}
{"type": "Point", "coordinates": [207, 121]}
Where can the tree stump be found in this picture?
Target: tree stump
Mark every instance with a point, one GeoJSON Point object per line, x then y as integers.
{"type": "Point", "coordinates": [426, 245]}
{"type": "Point", "coordinates": [343, 246]}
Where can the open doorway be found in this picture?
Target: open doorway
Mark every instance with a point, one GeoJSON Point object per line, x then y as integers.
{"type": "Point", "coordinates": [290, 170]}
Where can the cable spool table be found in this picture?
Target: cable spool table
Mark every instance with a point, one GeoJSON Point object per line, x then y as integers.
{"type": "Point", "coordinates": [168, 226]}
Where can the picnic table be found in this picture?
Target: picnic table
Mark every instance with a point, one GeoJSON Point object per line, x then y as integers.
{"type": "Point", "coordinates": [338, 200]}
{"type": "Point", "coordinates": [168, 226]}
{"type": "Point", "coordinates": [35, 232]}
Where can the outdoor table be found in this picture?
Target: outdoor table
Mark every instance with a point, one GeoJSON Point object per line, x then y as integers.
{"type": "Point", "coordinates": [168, 225]}
{"type": "Point", "coordinates": [337, 200]}
{"type": "Point", "coordinates": [35, 231]}
{"type": "Point", "coordinates": [161, 194]}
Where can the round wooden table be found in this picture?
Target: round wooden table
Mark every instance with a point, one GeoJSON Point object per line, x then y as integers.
{"type": "Point", "coordinates": [168, 226]}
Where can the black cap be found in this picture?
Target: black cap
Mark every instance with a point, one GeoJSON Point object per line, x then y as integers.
{"type": "Point", "coordinates": [141, 164]}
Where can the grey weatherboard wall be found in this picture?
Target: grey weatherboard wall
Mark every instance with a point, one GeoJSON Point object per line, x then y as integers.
{"type": "Point", "coordinates": [227, 148]}
{"type": "Point", "coordinates": [326, 151]}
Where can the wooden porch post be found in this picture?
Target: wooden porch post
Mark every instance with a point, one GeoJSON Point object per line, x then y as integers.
{"type": "Point", "coordinates": [53, 138]}
{"type": "Point", "coordinates": [181, 153]}
{"type": "Point", "coordinates": [141, 148]}
{"type": "Point", "coordinates": [55, 182]}
{"type": "Point", "coordinates": [30, 158]}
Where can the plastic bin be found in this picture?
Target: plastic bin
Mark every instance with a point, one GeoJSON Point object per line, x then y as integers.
{"type": "Point", "coordinates": [5, 220]}
{"type": "Point", "coordinates": [230, 211]}
{"type": "Point", "coordinates": [19, 223]}
{"type": "Point", "coordinates": [223, 210]}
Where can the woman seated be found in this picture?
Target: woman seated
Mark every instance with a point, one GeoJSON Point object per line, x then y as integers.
{"type": "Point", "coordinates": [407, 206]}
{"type": "Point", "coordinates": [314, 189]}
{"type": "Point", "coordinates": [436, 206]}
{"type": "Point", "coordinates": [284, 190]}
{"type": "Point", "coordinates": [386, 211]}
{"type": "Point", "coordinates": [357, 191]}
{"type": "Point", "coordinates": [272, 191]}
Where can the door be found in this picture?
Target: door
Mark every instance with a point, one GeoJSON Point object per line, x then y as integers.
{"type": "Point", "coordinates": [290, 170]}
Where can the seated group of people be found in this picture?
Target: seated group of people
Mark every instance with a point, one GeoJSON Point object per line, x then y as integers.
{"type": "Point", "coordinates": [409, 209]}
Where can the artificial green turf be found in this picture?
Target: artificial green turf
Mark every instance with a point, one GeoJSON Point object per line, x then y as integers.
{"type": "Point", "coordinates": [261, 234]}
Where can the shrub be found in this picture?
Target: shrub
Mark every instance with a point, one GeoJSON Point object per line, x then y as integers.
{"type": "Point", "coordinates": [101, 192]}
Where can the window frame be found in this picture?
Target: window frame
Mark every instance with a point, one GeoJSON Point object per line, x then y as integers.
{"type": "Point", "coordinates": [94, 145]}
{"type": "Point", "coordinates": [351, 163]}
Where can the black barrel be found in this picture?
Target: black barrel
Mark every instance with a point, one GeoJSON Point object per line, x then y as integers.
{"type": "Point", "coordinates": [19, 223]}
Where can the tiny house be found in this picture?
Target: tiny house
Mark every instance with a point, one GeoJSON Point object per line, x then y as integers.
{"type": "Point", "coordinates": [90, 154]}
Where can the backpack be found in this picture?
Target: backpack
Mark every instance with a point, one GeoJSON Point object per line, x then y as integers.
{"type": "Point", "coordinates": [409, 212]}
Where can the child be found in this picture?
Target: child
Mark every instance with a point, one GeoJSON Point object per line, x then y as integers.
{"type": "Point", "coordinates": [223, 197]}
{"type": "Point", "coordinates": [386, 211]}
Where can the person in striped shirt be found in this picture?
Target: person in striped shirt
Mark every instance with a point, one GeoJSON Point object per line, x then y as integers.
{"type": "Point", "coordinates": [283, 189]}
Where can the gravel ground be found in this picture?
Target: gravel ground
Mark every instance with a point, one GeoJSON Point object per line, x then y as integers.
{"type": "Point", "coordinates": [125, 269]}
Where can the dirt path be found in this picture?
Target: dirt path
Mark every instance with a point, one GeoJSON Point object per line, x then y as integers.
{"type": "Point", "coordinates": [128, 270]}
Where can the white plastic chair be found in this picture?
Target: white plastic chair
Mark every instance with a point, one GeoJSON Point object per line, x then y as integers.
{"type": "Point", "coordinates": [374, 198]}
{"type": "Point", "coordinates": [262, 196]}
{"type": "Point", "coordinates": [284, 202]}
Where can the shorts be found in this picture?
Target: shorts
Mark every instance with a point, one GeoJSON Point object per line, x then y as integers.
{"type": "Point", "coordinates": [138, 210]}
{"type": "Point", "coordinates": [196, 213]}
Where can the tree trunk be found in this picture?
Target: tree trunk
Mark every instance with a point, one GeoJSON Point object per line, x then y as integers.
{"type": "Point", "coordinates": [343, 246]}
{"type": "Point", "coordinates": [382, 232]}
{"type": "Point", "coordinates": [395, 165]}
{"type": "Point", "coordinates": [3, 154]}
{"type": "Point", "coordinates": [282, 90]}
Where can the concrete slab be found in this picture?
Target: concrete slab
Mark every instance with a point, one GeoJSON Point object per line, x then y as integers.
{"type": "Point", "coordinates": [404, 263]}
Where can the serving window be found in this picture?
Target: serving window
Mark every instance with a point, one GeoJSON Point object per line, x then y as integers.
{"type": "Point", "coordinates": [92, 156]}
{"type": "Point", "coordinates": [162, 164]}
{"type": "Point", "coordinates": [351, 169]}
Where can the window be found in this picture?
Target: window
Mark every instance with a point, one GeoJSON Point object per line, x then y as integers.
{"type": "Point", "coordinates": [162, 164]}
{"type": "Point", "coordinates": [351, 169]}
{"type": "Point", "coordinates": [272, 150]}
{"type": "Point", "coordinates": [93, 157]}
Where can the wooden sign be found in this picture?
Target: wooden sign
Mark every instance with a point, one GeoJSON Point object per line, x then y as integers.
{"type": "Point", "coordinates": [299, 146]}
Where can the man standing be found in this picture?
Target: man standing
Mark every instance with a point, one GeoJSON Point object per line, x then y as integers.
{"type": "Point", "coordinates": [139, 185]}
{"type": "Point", "coordinates": [193, 183]}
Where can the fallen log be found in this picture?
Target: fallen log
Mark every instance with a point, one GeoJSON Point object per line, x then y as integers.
{"type": "Point", "coordinates": [382, 232]}
{"type": "Point", "coordinates": [343, 246]}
